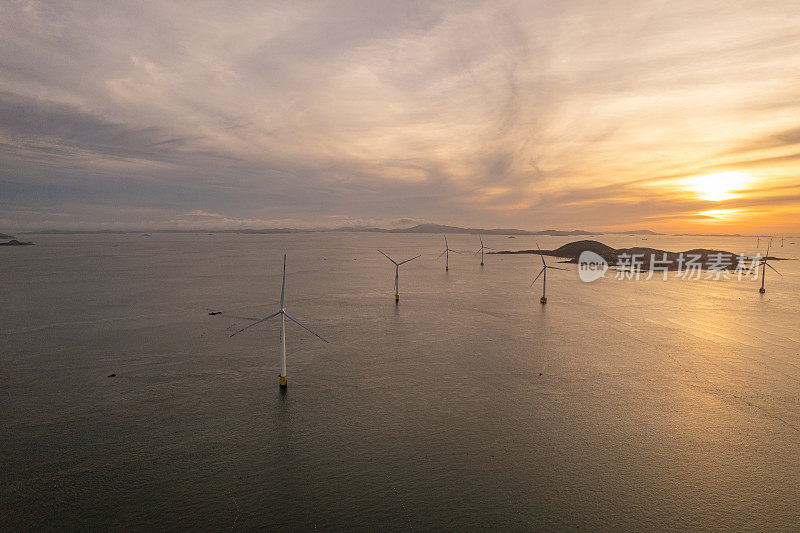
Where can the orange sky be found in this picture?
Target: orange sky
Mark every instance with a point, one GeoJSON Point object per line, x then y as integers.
{"type": "Point", "coordinates": [675, 117]}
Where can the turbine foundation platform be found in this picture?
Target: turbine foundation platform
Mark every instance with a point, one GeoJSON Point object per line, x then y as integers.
{"type": "Point", "coordinates": [762, 290]}
{"type": "Point", "coordinates": [543, 299]}
{"type": "Point", "coordinates": [283, 382]}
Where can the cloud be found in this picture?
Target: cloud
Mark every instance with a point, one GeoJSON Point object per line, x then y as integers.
{"type": "Point", "coordinates": [198, 213]}
{"type": "Point", "coordinates": [59, 129]}
{"type": "Point", "coordinates": [564, 114]}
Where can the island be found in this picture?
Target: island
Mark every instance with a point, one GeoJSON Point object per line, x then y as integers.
{"type": "Point", "coordinates": [15, 242]}
{"type": "Point", "coordinates": [646, 257]}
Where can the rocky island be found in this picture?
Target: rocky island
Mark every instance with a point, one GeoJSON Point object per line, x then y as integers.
{"type": "Point", "coordinates": [642, 256]}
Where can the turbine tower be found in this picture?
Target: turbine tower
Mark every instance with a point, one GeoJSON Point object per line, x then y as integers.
{"type": "Point", "coordinates": [397, 274]}
{"type": "Point", "coordinates": [446, 253]}
{"type": "Point", "coordinates": [284, 315]}
{"type": "Point", "coordinates": [764, 266]}
{"type": "Point", "coordinates": [544, 279]}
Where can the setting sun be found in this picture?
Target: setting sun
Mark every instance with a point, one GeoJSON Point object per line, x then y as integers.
{"type": "Point", "coordinates": [720, 186]}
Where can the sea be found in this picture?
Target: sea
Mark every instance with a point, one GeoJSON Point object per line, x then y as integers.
{"type": "Point", "coordinates": [620, 404]}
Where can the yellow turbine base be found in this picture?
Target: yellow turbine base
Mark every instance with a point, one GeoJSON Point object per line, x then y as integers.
{"type": "Point", "coordinates": [283, 382]}
{"type": "Point", "coordinates": [543, 299]}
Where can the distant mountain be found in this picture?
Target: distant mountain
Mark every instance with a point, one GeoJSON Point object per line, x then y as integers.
{"type": "Point", "coordinates": [431, 228]}
{"type": "Point", "coordinates": [5, 236]}
{"type": "Point", "coordinates": [358, 229]}
{"type": "Point", "coordinates": [420, 228]}
{"type": "Point", "coordinates": [710, 235]}
{"type": "Point", "coordinates": [564, 233]}
{"type": "Point", "coordinates": [145, 231]}
{"type": "Point", "coordinates": [438, 228]}
{"type": "Point", "coordinates": [635, 232]}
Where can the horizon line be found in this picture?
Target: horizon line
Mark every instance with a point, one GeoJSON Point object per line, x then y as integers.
{"type": "Point", "coordinates": [419, 228]}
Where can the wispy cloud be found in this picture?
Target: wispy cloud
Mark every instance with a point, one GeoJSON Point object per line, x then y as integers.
{"type": "Point", "coordinates": [557, 114]}
{"type": "Point", "coordinates": [198, 213]}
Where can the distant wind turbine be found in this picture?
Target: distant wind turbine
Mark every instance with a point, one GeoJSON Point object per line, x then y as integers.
{"type": "Point", "coordinates": [544, 279]}
{"type": "Point", "coordinates": [764, 266]}
{"type": "Point", "coordinates": [446, 253]}
{"type": "Point", "coordinates": [397, 274]}
{"type": "Point", "coordinates": [481, 249]}
{"type": "Point", "coordinates": [284, 315]}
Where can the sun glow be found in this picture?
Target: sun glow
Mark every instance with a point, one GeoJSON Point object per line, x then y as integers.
{"type": "Point", "coordinates": [720, 186]}
{"type": "Point", "coordinates": [722, 215]}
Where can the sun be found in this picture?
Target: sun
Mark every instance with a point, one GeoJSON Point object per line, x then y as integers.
{"type": "Point", "coordinates": [720, 186]}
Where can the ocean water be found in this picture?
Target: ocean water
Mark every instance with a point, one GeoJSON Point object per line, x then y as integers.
{"type": "Point", "coordinates": [618, 405]}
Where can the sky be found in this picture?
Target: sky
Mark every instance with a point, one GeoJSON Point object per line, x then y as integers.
{"type": "Point", "coordinates": [674, 116]}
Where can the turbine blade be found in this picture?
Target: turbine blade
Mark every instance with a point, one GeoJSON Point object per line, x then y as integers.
{"type": "Point", "coordinates": [293, 319]}
{"type": "Point", "coordinates": [407, 260]}
{"type": "Point", "coordinates": [558, 268]}
{"type": "Point", "coordinates": [773, 268]}
{"type": "Point", "coordinates": [276, 313]}
{"type": "Point", "coordinates": [283, 283]}
{"type": "Point", "coordinates": [541, 254]}
{"type": "Point", "coordinates": [441, 254]}
{"type": "Point", "coordinates": [389, 258]}
{"type": "Point", "coordinates": [537, 276]}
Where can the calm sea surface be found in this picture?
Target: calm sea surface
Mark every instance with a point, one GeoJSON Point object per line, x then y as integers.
{"type": "Point", "coordinates": [618, 405]}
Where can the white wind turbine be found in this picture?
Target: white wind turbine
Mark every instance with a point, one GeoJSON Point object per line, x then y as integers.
{"type": "Point", "coordinates": [446, 253]}
{"type": "Point", "coordinates": [481, 249]}
{"type": "Point", "coordinates": [544, 279]}
{"type": "Point", "coordinates": [764, 266]}
{"type": "Point", "coordinates": [397, 274]}
{"type": "Point", "coordinates": [284, 315]}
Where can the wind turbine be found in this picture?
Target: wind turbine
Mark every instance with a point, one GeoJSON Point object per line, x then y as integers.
{"type": "Point", "coordinates": [397, 274]}
{"type": "Point", "coordinates": [544, 279]}
{"type": "Point", "coordinates": [764, 266]}
{"type": "Point", "coordinates": [284, 315]}
{"type": "Point", "coordinates": [446, 253]}
{"type": "Point", "coordinates": [481, 249]}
